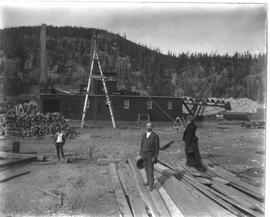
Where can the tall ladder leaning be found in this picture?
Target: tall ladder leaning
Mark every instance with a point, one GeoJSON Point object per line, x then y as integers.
{"type": "Point", "coordinates": [95, 57]}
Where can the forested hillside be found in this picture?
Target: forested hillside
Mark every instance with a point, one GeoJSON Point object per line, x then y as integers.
{"type": "Point", "coordinates": [138, 67]}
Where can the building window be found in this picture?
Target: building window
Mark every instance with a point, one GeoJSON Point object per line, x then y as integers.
{"type": "Point", "coordinates": [148, 104]}
{"type": "Point", "coordinates": [170, 105]}
{"type": "Point", "coordinates": [126, 104]}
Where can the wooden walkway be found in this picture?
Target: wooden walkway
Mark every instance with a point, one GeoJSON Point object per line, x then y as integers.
{"type": "Point", "coordinates": [183, 192]}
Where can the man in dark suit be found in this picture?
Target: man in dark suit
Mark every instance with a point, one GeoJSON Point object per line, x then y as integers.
{"type": "Point", "coordinates": [149, 152]}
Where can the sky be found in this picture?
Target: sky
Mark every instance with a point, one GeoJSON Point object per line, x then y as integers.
{"type": "Point", "coordinates": [175, 27]}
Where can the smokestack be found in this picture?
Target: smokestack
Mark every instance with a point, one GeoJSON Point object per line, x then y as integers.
{"type": "Point", "coordinates": [93, 89]}
{"type": "Point", "coordinates": [43, 58]}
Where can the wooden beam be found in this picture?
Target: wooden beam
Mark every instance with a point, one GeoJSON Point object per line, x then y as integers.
{"type": "Point", "coordinates": [232, 192]}
{"type": "Point", "coordinates": [144, 192]}
{"type": "Point", "coordinates": [158, 201]}
{"type": "Point", "coordinates": [173, 209]}
{"type": "Point", "coordinates": [160, 204]}
{"type": "Point", "coordinates": [234, 195]}
{"type": "Point", "coordinates": [215, 166]}
{"type": "Point", "coordinates": [4, 177]}
{"type": "Point", "coordinates": [211, 206]}
{"type": "Point", "coordinates": [49, 193]}
{"type": "Point", "coordinates": [123, 207]}
{"type": "Point", "coordinates": [220, 180]}
{"type": "Point", "coordinates": [237, 183]}
{"type": "Point", "coordinates": [186, 106]}
{"type": "Point", "coordinates": [136, 201]}
{"type": "Point", "coordinates": [15, 159]}
{"type": "Point", "coordinates": [184, 200]}
{"type": "Point", "coordinates": [107, 161]}
{"type": "Point", "coordinates": [201, 188]}
{"type": "Point", "coordinates": [226, 199]}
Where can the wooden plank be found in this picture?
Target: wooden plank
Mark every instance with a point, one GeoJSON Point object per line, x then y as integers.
{"type": "Point", "coordinates": [4, 154]}
{"type": "Point", "coordinates": [239, 196]}
{"type": "Point", "coordinates": [216, 166]}
{"type": "Point", "coordinates": [220, 180]}
{"type": "Point", "coordinates": [193, 171]}
{"type": "Point", "coordinates": [123, 206]}
{"type": "Point", "coordinates": [137, 204]}
{"type": "Point", "coordinates": [144, 192]}
{"type": "Point", "coordinates": [201, 188]}
{"type": "Point", "coordinates": [49, 193]}
{"type": "Point", "coordinates": [213, 208]}
{"type": "Point", "coordinates": [237, 183]}
{"type": "Point", "coordinates": [238, 199]}
{"type": "Point", "coordinates": [159, 203]}
{"type": "Point", "coordinates": [242, 205]}
{"type": "Point", "coordinates": [107, 161]}
{"type": "Point", "coordinates": [11, 163]}
{"type": "Point", "coordinates": [184, 200]}
{"type": "Point", "coordinates": [228, 200]}
{"type": "Point", "coordinates": [233, 180]}
{"type": "Point", "coordinates": [4, 177]}
{"type": "Point", "coordinates": [204, 181]}
{"type": "Point", "coordinates": [248, 189]}
{"type": "Point", "coordinates": [173, 209]}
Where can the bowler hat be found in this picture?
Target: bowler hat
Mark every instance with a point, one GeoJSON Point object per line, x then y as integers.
{"type": "Point", "coordinates": [139, 162]}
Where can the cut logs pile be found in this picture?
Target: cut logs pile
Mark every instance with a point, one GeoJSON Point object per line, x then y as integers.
{"type": "Point", "coordinates": [181, 191]}
{"type": "Point", "coordinates": [36, 124]}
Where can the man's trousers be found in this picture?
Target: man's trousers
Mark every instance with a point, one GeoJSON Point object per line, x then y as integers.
{"type": "Point", "coordinates": [149, 168]}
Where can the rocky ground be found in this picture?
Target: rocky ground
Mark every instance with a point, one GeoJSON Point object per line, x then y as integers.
{"type": "Point", "coordinates": [86, 186]}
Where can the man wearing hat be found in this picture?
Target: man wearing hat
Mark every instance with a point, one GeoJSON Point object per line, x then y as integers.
{"type": "Point", "coordinates": [149, 153]}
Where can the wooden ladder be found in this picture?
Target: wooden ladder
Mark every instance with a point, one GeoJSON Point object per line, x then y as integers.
{"type": "Point", "coordinates": [95, 57]}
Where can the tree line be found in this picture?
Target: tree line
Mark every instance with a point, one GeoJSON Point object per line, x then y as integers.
{"type": "Point", "coordinates": [137, 66]}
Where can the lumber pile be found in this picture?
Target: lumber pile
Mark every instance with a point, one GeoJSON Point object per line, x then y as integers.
{"type": "Point", "coordinates": [181, 191]}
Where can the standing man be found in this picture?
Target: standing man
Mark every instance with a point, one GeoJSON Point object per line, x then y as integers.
{"type": "Point", "coordinates": [149, 152]}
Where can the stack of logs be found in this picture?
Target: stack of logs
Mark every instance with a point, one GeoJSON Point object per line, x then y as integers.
{"type": "Point", "coordinates": [36, 124]}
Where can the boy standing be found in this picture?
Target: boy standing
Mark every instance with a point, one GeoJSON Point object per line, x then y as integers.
{"type": "Point", "coordinates": [59, 143]}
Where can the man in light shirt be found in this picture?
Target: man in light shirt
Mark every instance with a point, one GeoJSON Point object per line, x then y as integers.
{"type": "Point", "coordinates": [149, 151]}
{"type": "Point", "coordinates": [59, 143]}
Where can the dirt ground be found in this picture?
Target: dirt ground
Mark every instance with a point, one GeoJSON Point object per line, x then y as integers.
{"type": "Point", "coordinates": [86, 186]}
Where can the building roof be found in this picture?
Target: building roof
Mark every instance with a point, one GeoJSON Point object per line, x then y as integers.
{"type": "Point", "coordinates": [124, 96]}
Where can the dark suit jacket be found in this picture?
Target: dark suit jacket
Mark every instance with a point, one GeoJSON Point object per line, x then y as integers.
{"type": "Point", "coordinates": [150, 144]}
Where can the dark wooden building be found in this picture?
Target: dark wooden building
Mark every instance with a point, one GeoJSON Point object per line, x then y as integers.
{"type": "Point", "coordinates": [125, 107]}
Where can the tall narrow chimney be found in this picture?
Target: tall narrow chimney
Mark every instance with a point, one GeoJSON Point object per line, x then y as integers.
{"type": "Point", "coordinates": [43, 58]}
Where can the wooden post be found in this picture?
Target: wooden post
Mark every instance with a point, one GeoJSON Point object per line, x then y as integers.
{"type": "Point", "coordinates": [90, 152]}
{"type": "Point", "coordinates": [16, 147]}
